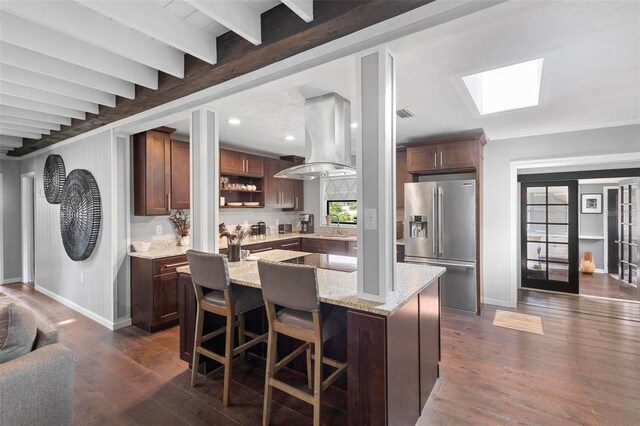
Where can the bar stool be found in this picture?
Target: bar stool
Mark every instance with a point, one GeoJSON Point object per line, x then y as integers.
{"type": "Point", "coordinates": [215, 294]}
{"type": "Point", "coordinates": [295, 289]}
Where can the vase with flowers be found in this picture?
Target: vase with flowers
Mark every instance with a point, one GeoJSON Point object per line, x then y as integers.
{"type": "Point", "coordinates": [234, 240]}
{"type": "Point", "coordinates": [182, 224]}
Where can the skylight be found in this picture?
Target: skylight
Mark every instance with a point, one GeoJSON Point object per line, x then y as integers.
{"type": "Point", "coordinates": [507, 88]}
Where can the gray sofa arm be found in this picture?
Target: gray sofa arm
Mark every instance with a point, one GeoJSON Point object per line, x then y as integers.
{"type": "Point", "coordinates": [46, 334]}
{"type": "Point", "coordinates": [37, 388]}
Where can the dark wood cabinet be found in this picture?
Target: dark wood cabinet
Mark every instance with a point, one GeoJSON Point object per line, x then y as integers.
{"type": "Point", "coordinates": [298, 185]}
{"type": "Point", "coordinates": [241, 164]}
{"type": "Point", "coordinates": [402, 176]}
{"type": "Point", "coordinates": [316, 245]}
{"type": "Point", "coordinates": [154, 292]}
{"type": "Point", "coordinates": [452, 154]}
{"type": "Point", "coordinates": [180, 175]}
{"type": "Point", "coordinates": [278, 192]}
{"type": "Point", "coordinates": [152, 173]}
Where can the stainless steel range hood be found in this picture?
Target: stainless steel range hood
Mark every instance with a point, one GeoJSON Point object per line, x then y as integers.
{"type": "Point", "coordinates": [327, 140]}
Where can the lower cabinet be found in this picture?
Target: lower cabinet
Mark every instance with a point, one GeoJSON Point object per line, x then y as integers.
{"type": "Point", "coordinates": [316, 245]}
{"type": "Point", "coordinates": [154, 292]}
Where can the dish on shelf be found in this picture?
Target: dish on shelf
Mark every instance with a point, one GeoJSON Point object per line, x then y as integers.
{"type": "Point", "coordinates": [251, 203]}
{"type": "Point", "coordinates": [234, 204]}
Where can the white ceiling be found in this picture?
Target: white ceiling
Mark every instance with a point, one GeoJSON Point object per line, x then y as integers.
{"type": "Point", "coordinates": [591, 76]}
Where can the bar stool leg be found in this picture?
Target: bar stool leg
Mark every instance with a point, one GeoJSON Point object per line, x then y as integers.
{"type": "Point", "coordinates": [309, 369]}
{"type": "Point", "coordinates": [272, 345]}
{"type": "Point", "coordinates": [241, 335]}
{"type": "Point", "coordinates": [228, 360]}
{"type": "Point", "coordinates": [317, 382]}
{"type": "Point", "coordinates": [197, 342]}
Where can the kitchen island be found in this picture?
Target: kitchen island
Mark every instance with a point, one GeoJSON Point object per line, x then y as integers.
{"type": "Point", "coordinates": [393, 348]}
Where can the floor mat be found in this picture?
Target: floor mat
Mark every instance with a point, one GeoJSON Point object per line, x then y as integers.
{"type": "Point", "coordinates": [516, 321]}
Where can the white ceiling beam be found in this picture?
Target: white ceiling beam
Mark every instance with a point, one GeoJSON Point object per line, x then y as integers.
{"type": "Point", "coordinates": [302, 8]}
{"type": "Point", "coordinates": [24, 92]}
{"type": "Point", "coordinates": [38, 63]}
{"type": "Point", "coordinates": [29, 35]}
{"type": "Point", "coordinates": [9, 142]}
{"type": "Point", "coordinates": [18, 127]}
{"type": "Point", "coordinates": [159, 24]}
{"type": "Point", "coordinates": [10, 111]}
{"type": "Point", "coordinates": [47, 83]}
{"type": "Point", "coordinates": [238, 16]}
{"type": "Point", "coordinates": [82, 23]}
{"type": "Point", "coordinates": [7, 119]}
{"type": "Point", "coordinates": [20, 134]}
{"type": "Point", "coordinates": [28, 104]}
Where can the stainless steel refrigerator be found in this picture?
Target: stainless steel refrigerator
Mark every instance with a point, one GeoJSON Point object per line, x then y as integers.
{"type": "Point", "coordinates": [440, 229]}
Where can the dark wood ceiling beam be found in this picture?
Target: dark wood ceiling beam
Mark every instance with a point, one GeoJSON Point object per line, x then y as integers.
{"type": "Point", "coordinates": [284, 34]}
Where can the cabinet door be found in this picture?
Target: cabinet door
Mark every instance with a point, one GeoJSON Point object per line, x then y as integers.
{"type": "Point", "coordinates": [180, 178]}
{"type": "Point", "coordinates": [290, 245]}
{"type": "Point", "coordinates": [285, 187]}
{"type": "Point", "coordinates": [158, 173]}
{"type": "Point", "coordinates": [257, 248]}
{"type": "Point", "coordinates": [315, 245]}
{"type": "Point", "coordinates": [232, 162]}
{"type": "Point", "coordinates": [422, 158]}
{"type": "Point", "coordinates": [254, 165]}
{"type": "Point", "coordinates": [270, 184]}
{"type": "Point", "coordinates": [165, 298]}
{"type": "Point", "coordinates": [402, 177]}
{"type": "Point", "coordinates": [457, 155]}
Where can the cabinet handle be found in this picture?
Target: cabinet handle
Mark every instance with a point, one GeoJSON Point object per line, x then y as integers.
{"type": "Point", "coordinates": [296, 203]}
{"type": "Point", "coordinates": [169, 201]}
{"type": "Point", "coordinates": [175, 265]}
{"type": "Point", "coordinates": [440, 158]}
{"type": "Point", "coordinates": [435, 159]}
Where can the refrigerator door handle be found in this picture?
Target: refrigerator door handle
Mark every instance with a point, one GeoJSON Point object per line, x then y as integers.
{"type": "Point", "coordinates": [434, 226]}
{"type": "Point", "coordinates": [440, 238]}
{"type": "Point", "coordinates": [437, 262]}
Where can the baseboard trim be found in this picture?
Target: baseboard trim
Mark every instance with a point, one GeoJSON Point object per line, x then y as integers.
{"type": "Point", "coordinates": [121, 324]}
{"type": "Point", "coordinates": [84, 311]}
{"type": "Point", "coordinates": [600, 271]}
{"type": "Point", "coordinates": [12, 280]}
{"type": "Point", "coordinates": [497, 302]}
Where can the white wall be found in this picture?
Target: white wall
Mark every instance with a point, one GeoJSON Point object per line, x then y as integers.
{"type": "Point", "coordinates": [592, 225]}
{"type": "Point", "coordinates": [496, 188]}
{"type": "Point", "coordinates": [10, 170]}
{"type": "Point", "coordinates": [57, 275]}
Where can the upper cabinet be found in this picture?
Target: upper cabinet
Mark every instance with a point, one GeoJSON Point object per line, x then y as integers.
{"type": "Point", "coordinates": [298, 185]}
{"type": "Point", "coordinates": [278, 193]}
{"type": "Point", "coordinates": [241, 164]}
{"type": "Point", "coordinates": [402, 176]}
{"type": "Point", "coordinates": [152, 173]}
{"type": "Point", "coordinates": [180, 175]}
{"type": "Point", "coordinates": [445, 155]}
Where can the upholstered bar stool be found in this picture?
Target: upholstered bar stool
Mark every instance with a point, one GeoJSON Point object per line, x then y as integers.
{"type": "Point", "coordinates": [295, 289]}
{"type": "Point", "coordinates": [215, 294]}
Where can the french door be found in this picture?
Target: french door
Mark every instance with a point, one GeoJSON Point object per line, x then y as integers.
{"type": "Point", "coordinates": [628, 234]}
{"type": "Point", "coordinates": [549, 236]}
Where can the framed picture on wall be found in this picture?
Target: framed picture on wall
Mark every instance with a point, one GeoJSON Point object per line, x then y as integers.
{"type": "Point", "coordinates": [591, 204]}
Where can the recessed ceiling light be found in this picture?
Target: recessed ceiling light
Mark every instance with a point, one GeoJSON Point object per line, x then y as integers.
{"type": "Point", "coordinates": [354, 125]}
{"type": "Point", "coordinates": [234, 121]}
{"type": "Point", "coordinates": [289, 138]}
{"type": "Point", "coordinates": [507, 88]}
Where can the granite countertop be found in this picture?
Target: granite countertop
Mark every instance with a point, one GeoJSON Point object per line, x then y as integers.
{"type": "Point", "coordinates": [167, 250]}
{"type": "Point", "coordinates": [341, 288]}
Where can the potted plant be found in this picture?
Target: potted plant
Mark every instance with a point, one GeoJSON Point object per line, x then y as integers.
{"type": "Point", "coordinates": [182, 224]}
{"type": "Point", "coordinates": [234, 240]}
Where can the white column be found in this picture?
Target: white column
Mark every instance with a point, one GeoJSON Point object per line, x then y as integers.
{"type": "Point", "coordinates": [376, 153]}
{"type": "Point", "coordinates": [205, 185]}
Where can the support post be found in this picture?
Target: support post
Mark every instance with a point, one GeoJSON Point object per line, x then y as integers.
{"type": "Point", "coordinates": [376, 162]}
{"type": "Point", "coordinates": [205, 186]}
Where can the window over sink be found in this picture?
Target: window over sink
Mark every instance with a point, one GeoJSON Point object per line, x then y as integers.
{"type": "Point", "coordinates": [339, 198]}
{"type": "Point", "coordinates": [343, 211]}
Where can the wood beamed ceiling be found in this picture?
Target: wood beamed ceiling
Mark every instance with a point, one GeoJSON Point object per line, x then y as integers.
{"type": "Point", "coordinates": [104, 81]}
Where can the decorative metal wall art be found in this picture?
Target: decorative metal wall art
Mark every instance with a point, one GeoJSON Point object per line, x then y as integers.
{"type": "Point", "coordinates": [80, 214]}
{"type": "Point", "coordinates": [53, 178]}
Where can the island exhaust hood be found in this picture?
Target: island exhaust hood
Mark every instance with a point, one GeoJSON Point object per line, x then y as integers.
{"type": "Point", "coordinates": [327, 140]}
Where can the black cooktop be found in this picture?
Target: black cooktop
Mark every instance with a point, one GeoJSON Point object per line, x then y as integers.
{"type": "Point", "coordinates": [327, 261]}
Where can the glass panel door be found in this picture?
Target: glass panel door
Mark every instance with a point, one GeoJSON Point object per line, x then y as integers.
{"type": "Point", "coordinates": [629, 226]}
{"type": "Point", "coordinates": [549, 235]}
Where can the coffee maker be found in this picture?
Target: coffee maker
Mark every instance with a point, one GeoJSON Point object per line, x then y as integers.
{"type": "Point", "coordinates": [306, 223]}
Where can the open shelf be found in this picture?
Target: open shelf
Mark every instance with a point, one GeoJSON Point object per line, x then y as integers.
{"type": "Point", "coordinates": [239, 190]}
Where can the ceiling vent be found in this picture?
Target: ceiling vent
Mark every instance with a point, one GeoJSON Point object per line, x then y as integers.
{"type": "Point", "coordinates": [405, 113]}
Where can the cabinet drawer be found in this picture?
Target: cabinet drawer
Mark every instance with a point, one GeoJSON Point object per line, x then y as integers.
{"type": "Point", "coordinates": [168, 265]}
{"type": "Point", "coordinates": [257, 248]}
{"type": "Point", "coordinates": [325, 246]}
{"type": "Point", "coordinates": [290, 245]}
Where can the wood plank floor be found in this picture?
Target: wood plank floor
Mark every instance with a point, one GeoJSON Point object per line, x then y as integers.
{"type": "Point", "coordinates": [604, 285]}
{"type": "Point", "coordinates": [583, 370]}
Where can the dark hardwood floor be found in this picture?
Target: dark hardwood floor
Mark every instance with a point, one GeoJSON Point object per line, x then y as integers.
{"type": "Point", "coordinates": [604, 285]}
{"type": "Point", "coordinates": [582, 370]}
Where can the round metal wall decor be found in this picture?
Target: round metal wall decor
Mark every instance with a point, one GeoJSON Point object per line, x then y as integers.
{"type": "Point", "coordinates": [80, 214]}
{"type": "Point", "coordinates": [54, 176]}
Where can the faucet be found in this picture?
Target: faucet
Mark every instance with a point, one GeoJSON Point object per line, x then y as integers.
{"type": "Point", "coordinates": [331, 216]}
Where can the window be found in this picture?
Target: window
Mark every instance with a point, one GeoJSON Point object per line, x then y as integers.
{"type": "Point", "coordinates": [343, 211]}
